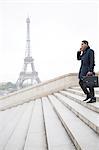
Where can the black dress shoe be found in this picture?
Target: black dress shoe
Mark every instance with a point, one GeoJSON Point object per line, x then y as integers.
{"type": "Point", "coordinates": [92, 100]}
{"type": "Point", "coordinates": [88, 96]}
{"type": "Point", "coordinates": [86, 99]}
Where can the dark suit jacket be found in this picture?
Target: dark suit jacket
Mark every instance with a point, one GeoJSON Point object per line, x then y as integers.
{"type": "Point", "coordinates": [87, 61]}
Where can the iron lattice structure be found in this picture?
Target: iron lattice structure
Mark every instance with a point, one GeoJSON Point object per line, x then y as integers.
{"type": "Point", "coordinates": [28, 60]}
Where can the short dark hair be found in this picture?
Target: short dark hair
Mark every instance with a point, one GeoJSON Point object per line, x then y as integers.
{"type": "Point", "coordinates": [85, 42]}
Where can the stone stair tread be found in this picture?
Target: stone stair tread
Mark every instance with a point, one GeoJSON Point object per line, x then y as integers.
{"type": "Point", "coordinates": [74, 90]}
{"type": "Point", "coordinates": [36, 133]}
{"type": "Point", "coordinates": [4, 119]}
{"type": "Point", "coordinates": [17, 139]}
{"type": "Point", "coordinates": [80, 98]}
{"type": "Point", "coordinates": [73, 95]}
{"type": "Point", "coordinates": [91, 116]}
{"type": "Point", "coordinates": [78, 88]}
{"type": "Point", "coordinates": [80, 131]}
{"type": "Point", "coordinates": [10, 125]}
{"type": "Point", "coordinates": [80, 92]}
{"type": "Point", "coordinates": [57, 137]}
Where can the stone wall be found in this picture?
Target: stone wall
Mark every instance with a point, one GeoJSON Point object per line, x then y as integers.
{"type": "Point", "coordinates": [40, 90]}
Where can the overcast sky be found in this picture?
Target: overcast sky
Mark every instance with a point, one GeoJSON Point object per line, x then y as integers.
{"type": "Point", "coordinates": [57, 28]}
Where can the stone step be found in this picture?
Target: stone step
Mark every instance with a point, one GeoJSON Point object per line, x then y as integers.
{"type": "Point", "coordinates": [57, 137]}
{"type": "Point", "coordinates": [8, 126]}
{"type": "Point", "coordinates": [78, 88]}
{"type": "Point", "coordinates": [36, 138]}
{"type": "Point", "coordinates": [17, 139]}
{"type": "Point", "coordinates": [7, 116]}
{"type": "Point", "coordinates": [79, 99]}
{"type": "Point", "coordinates": [83, 137]}
{"type": "Point", "coordinates": [80, 92]}
{"type": "Point", "coordinates": [90, 117]}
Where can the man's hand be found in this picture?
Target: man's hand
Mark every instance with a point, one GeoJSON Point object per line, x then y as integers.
{"type": "Point", "coordinates": [89, 73]}
{"type": "Point", "coordinates": [81, 49]}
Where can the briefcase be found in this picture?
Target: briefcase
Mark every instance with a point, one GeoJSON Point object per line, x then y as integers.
{"type": "Point", "coordinates": [91, 81]}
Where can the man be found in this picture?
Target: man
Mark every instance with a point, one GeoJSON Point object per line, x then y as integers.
{"type": "Point", "coordinates": [86, 55]}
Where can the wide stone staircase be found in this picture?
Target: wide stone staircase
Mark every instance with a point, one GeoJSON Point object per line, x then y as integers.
{"type": "Point", "coordinates": [57, 121]}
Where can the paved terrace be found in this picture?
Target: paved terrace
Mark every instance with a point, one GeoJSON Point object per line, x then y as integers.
{"type": "Point", "coordinates": [49, 116]}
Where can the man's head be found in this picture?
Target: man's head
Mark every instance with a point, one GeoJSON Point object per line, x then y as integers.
{"type": "Point", "coordinates": [84, 45]}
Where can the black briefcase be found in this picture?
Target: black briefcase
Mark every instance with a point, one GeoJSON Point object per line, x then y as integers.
{"type": "Point", "coordinates": [91, 81]}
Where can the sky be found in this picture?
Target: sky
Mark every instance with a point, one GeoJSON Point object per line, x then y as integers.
{"type": "Point", "coordinates": [57, 28]}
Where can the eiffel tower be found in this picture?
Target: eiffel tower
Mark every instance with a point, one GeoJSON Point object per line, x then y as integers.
{"type": "Point", "coordinates": [25, 75]}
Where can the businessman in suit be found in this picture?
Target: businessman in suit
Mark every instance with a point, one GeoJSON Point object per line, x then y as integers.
{"type": "Point", "coordinates": [86, 55]}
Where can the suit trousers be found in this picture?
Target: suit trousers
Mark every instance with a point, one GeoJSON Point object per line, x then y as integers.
{"type": "Point", "coordinates": [86, 90]}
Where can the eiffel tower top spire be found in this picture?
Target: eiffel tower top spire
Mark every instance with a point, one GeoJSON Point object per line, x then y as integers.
{"type": "Point", "coordinates": [28, 37]}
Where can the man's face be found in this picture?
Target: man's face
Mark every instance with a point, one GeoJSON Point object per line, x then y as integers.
{"type": "Point", "coordinates": [83, 46]}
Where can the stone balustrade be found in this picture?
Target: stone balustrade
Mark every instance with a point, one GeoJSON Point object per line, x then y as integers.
{"type": "Point", "coordinates": [37, 91]}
